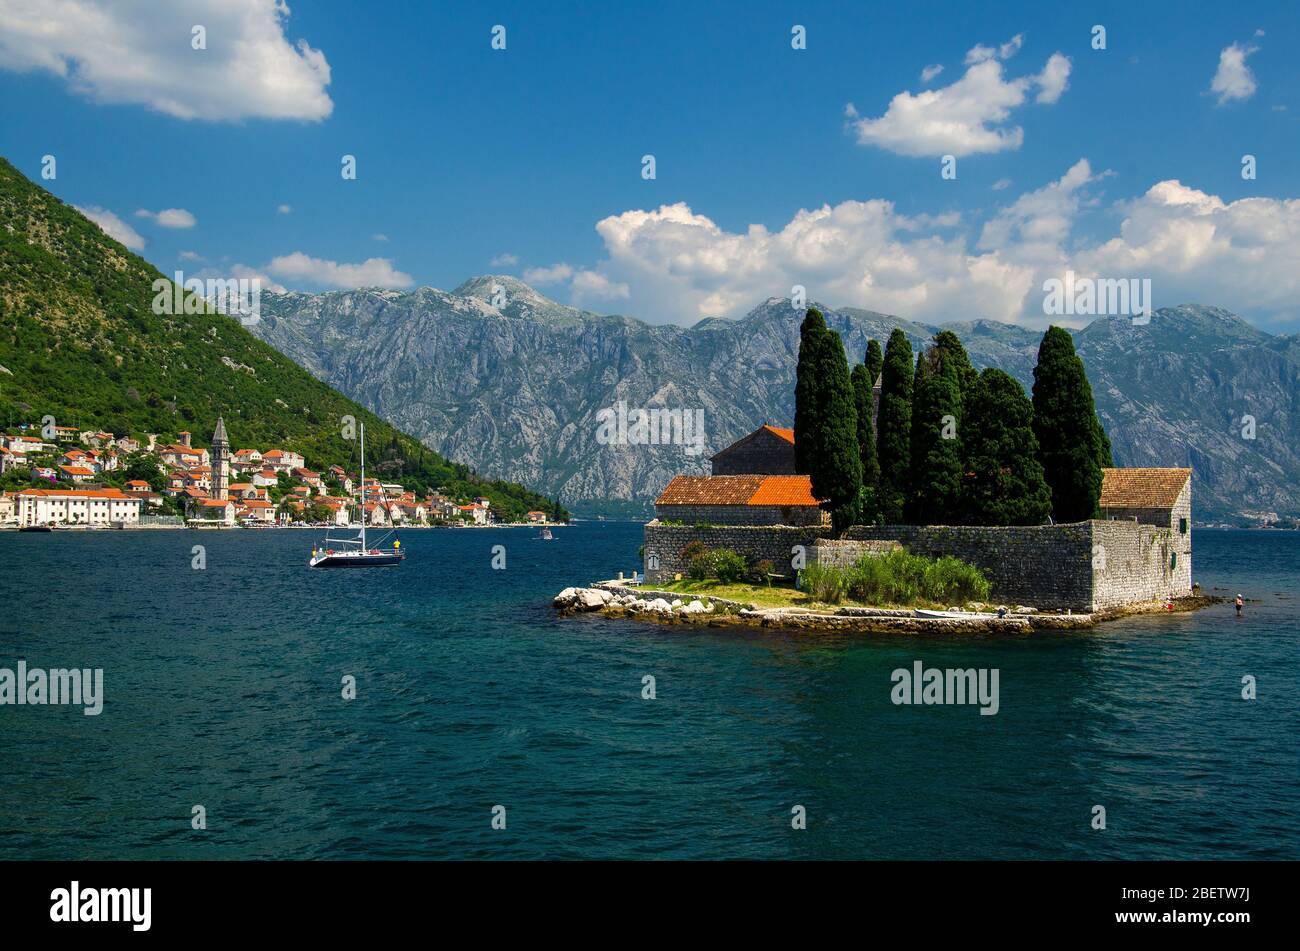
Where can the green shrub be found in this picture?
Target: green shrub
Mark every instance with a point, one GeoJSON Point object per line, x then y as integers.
{"type": "Point", "coordinates": [898, 577]}
{"type": "Point", "coordinates": [715, 564]}
{"type": "Point", "coordinates": [760, 571]}
{"type": "Point", "coordinates": [826, 583]}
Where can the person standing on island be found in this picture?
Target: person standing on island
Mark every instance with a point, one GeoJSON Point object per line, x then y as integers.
{"type": "Point", "coordinates": [1239, 602]}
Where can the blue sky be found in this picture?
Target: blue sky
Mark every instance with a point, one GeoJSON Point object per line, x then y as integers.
{"type": "Point", "coordinates": [468, 155]}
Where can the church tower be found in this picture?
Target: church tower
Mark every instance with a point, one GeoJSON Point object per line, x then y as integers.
{"type": "Point", "coordinates": [220, 453]}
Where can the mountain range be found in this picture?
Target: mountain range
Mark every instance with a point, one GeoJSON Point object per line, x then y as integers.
{"type": "Point", "coordinates": [495, 375]}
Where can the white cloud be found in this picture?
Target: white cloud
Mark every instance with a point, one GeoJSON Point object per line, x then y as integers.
{"type": "Point", "coordinates": [169, 217]}
{"type": "Point", "coordinates": [190, 256]}
{"type": "Point", "coordinates": [1001, 183]}
{"type": "Point", "coordinates": [504, 260]}
{"type": "Point", "coordinates": [379, 237]}
{"type": "Point", "coordinates": [1233, 79]}
{"type": "Point", "coordinates": [557, 274]}
{"type": "Point", "coordinates": [240, 271]}
{"type": "Point", "coordinates": [930, 72]}
{"type": "Point", "coordinates": [373, 272]}
{"type": "Point", "coordinates": [981, 53]}
{"type": "Point", "coordinates": [1054, 79]}
{"type": "Point", "coordinates": [113, 226]}
{"type": "Point", "coordinates": [966, 118]}
{"type": "Point", "coordinates": [139, 52]}
{"type": "Point", "coordinates": [678, 266]}
{"type": "Point", "coordinates": [284, 209]}
{"type": "Point", "coordinates": [594, 286]}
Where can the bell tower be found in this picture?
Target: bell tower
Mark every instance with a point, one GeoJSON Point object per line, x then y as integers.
{"type": "Point", "coordinates": [220, 453]}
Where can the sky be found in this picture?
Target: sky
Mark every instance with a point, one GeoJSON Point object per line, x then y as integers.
{"type": "Point", "coordinates": [936, 161]}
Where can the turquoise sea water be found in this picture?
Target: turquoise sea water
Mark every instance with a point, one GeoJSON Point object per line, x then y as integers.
{"type": "Point", "coordinates": [223, 689]}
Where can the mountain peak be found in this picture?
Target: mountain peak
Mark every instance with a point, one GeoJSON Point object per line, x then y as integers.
{"type": "Point", "coordinates": [484, 288]}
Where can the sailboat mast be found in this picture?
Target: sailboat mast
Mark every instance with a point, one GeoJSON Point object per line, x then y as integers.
{"type": "Point", "coordinates": [363, 486]}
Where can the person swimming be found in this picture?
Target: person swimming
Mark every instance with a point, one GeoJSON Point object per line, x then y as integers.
{"type": "Point", "coordinates": [1239, 603]}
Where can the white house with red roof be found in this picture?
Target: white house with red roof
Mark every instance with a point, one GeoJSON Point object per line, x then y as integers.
{"type": "Point", "coordinates": [77, 507]}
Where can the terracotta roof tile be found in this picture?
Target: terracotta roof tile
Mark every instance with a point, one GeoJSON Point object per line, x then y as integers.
{"type": "Point", "coordinates": [1142, 488]}
{"type": "Point", "coordinates": [786, 434]}
{"type": "Point", "coordinates": [738, 490]}
{"type": "Point", "coordinates": [784, 490]}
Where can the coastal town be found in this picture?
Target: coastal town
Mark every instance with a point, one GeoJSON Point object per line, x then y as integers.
{"type": "Point", "coordinates": [63, 477]}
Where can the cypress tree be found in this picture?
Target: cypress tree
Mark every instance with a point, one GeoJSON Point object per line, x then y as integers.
{"type": "Point", "coordinates": [1072, 445]}
{"type": "Point", "coordinates": [863, 404]}
{"type": "Point", "coordinates": [875, 360]}
{"type": "Point", "coordinates": [807, 415]}
{"type": "Point", "coordinates": [936, 469]}
{"type": "Point", "coordinates": [1004, 483]}
{"type": "Point", "coordinates": [836, 470]}
{"type": "Point", "coordinates": [894, 426]}
{"type": "Point", "coordinates": [954, 359]}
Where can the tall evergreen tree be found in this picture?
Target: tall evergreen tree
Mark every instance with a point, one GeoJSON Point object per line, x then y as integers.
{"type": "Point", "coordinates": [894, 426]}
{"type": "Point", "coordinates": [936, 467]}
{"type": "Point", "coordinates": [1072, 445]}
{"type": "Point", "coordinates": [836, 470]}
{"type": "Point", "coordinates": [954, 359]}
{"type": "Point", "coordinates": [1004, 483]}
{"type": "Point", "coordinates": [875, 360]}
{"type": "Point", "coordinates": [863, 404]}
{"type": "Point", "coordinates": [807, 414]}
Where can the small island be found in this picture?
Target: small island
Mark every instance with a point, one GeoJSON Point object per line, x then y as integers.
{"type": "Point", "coordinates": [915, 494]}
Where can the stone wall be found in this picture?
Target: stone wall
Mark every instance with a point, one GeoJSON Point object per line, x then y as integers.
{"type": "Point", "coordinates": [761, 542]}
{"type": "Point", "coordinates": [1134, 562]}
{"type": "Point", "coordinates": [1045, 566]}
{"type": "Point", "coordinates": [760, 453]}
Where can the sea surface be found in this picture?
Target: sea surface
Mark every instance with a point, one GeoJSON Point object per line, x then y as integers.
{"type": "Point", "coordinates": [223, 688]}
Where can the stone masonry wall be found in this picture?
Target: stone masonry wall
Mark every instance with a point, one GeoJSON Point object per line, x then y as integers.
{"type": "Point", "coordinates": [761, 542]}
{"type": "Point", "coordinates": [1045, 566]}
{"type": "Point", "coordinates": [1134, 562]}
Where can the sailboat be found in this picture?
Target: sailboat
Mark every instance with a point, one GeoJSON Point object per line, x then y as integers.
{"type": "Point", "coordinates": [354, 552]}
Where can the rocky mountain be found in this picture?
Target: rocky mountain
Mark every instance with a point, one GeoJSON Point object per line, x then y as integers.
{"type": "Point", "coordinates": [495, 375]}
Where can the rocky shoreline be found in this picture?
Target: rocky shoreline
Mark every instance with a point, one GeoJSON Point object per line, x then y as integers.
{"type": "Point", "coordinates": [617, 599]}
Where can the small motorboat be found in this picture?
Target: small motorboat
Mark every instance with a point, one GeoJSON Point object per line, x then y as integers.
{"type": "Point", "coordinates": [36, 528]}
{"type": "Point", "coordinates": [545, 535]}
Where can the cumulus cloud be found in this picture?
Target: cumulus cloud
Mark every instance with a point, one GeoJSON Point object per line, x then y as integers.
{"type": "Point", "coordinates": [678, 265]}
{"type": "Point", "coordinates": [1054, 79]}
{"type": "Point", "coordinates": [930, 72]}
{"type": "Point", "coordinates": [304, 269]}
{"type": "Point", "coordinates": [190, 256]}
{"type": "Point", "coordinates": [556, 274]}
{"type": "Point", "coordinates": [588, 286]}
{"type": "Point", "coordinates": [113, 226]}
{"type": "Point", "coordinates": [169, 217]}
{"type": "Point", "coordinates": [284, 209]}
{"type": "Point", "coordinates": [140, 52]}
{"type": "Point", "coordinates": [504, 260]}
{"type": "Point", "coordinates": [1233, 79]}
{"type": "Point", "coordinates": [969, 116]}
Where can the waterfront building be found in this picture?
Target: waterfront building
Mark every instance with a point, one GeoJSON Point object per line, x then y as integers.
{"type": "Point", "coordinates": [77, 507]}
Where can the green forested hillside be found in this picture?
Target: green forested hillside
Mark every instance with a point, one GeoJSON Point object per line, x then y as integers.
{"type": "Point", "coordinates": [79, 341]}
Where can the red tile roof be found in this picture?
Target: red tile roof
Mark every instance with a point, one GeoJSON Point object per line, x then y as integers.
{"type": "Point", "coordinates": [786, 434]}
{"type": "Point", "coordinates": [738, 490]}
{"type": "Point", "coordinates": [1142, 488]}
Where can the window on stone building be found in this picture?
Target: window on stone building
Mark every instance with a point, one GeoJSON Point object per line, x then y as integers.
{"type": "Point", "coordinates": [1173, 561]}
{"type": "Point", "coordinates": [1182, 526]}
